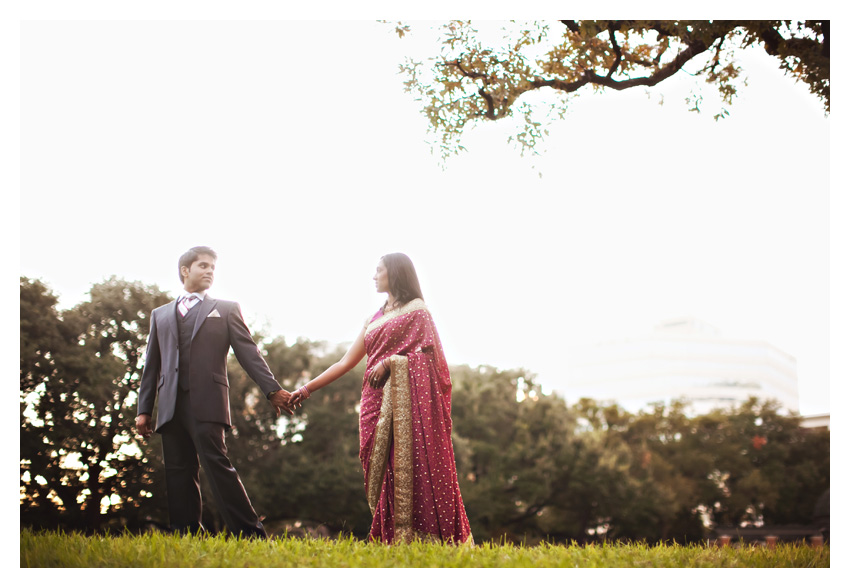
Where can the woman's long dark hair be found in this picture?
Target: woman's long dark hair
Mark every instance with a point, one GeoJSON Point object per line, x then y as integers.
{"type": "Point", "coordinates": [404, 284]}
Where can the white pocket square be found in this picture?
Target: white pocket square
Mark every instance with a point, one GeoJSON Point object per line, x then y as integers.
{"type": "Point", "coordinates": [214, 313]}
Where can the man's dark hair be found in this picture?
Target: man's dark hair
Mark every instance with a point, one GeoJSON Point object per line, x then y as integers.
{"type": "Point", "coordinates": [402, 278]}
{"type": "Point", "coordinates": [191, 256]}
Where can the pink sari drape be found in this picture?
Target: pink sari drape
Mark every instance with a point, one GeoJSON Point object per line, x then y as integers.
{"type": "Point", "coordinates": [405, 433]}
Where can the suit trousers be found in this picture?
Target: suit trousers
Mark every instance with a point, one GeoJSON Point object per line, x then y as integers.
{"type": "Point", "coordinates": [188, 444]}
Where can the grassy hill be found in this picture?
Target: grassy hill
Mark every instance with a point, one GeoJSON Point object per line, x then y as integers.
{"type": "Point", "coordinates": [58, 549]}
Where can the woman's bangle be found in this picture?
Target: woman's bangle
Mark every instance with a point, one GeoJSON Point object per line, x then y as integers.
{"type": "Point", "coordinates": [384, 363]}
{"type": "Point", "coordinates": [304, 392]}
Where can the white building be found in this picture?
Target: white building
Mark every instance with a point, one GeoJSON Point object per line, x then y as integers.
{"type": "Point", "coordinates": [816, 421]}
{"type": "Point", "coordinates": [683, 358]}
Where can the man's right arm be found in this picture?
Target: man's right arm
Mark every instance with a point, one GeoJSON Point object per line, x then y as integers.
{"type": "Point", "coordinates": [147, 386]}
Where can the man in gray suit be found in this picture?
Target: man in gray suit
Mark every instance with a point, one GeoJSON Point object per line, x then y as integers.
{"type": "Point", "coordinates": [186, 366]}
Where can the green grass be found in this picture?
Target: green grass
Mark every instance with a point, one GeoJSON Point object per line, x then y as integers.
{"type": "Point", "coordinates": [57, 549]}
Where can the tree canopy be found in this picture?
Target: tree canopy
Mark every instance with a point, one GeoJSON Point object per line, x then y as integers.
{"type": "Point", "coordinates": [530, 465]}
{"type": "Point", "coordinates": [480, 77]}
{"type": "Point", "coordinates": [80, 372]}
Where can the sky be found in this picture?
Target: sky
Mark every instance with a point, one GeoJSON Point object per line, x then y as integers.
{"type": "Point", "coordinates": [292, 149]}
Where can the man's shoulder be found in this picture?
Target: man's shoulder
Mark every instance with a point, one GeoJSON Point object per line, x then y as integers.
{"type": "Point", "coordinates": [219, 303]}
{"type": "Point", "coordinates": [222, 305]}
{"type": "Point", "coordinates": [159, 309]}
{"type": "Point", "coordinates": [227, 307]}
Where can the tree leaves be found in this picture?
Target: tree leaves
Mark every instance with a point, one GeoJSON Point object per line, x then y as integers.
{"type": "Point", "coordinates": [77, 401]}
{"type": "Point", "coordinates": [530, 466]}
{"type": "Point", "coordinates": [482, 74]}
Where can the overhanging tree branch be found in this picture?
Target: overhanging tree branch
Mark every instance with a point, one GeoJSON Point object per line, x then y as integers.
{"type": "Point", "coordinates": [590, 77]}
{"type": "Point", "coordinates": [615, 54]}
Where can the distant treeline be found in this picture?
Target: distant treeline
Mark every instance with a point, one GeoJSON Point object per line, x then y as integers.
{"type": "Point", "coordinates": [531, 466]}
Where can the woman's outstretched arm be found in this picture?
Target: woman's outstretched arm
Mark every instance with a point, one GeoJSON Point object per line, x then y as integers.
{"type": "Point", "coordinates": [351, 358]}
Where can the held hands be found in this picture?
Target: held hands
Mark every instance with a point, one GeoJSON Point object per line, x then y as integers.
{"type": "Point", "coordinates": [281, 400]}
{"type": "Point", "coordinates": [299, 396]}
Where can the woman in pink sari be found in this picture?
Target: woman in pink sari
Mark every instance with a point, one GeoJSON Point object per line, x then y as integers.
{"type": "Point", "coordinates": [405, 415]}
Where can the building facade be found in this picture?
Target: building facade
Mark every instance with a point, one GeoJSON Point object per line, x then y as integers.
{"type": "Point", "coordinates": [683, 359]}
{"type": "Point", "coordinates": [816, 421]}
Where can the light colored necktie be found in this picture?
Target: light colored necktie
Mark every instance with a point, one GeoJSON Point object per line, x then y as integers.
{"type": "Point", "coordinates": [186, 303]}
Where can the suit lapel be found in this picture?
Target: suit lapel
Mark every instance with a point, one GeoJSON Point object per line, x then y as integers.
{"type": "Point", "coordinates": [206, 306]}
{"type": "Point", "coordinates": [171, 318]}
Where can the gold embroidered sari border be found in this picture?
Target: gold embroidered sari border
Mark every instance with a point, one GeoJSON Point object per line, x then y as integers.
{"type": "Point", "coordinates": [380, 451]}
{"type": "Point", "coordinates": [394, 428]}
{"type": "Point", "coordinates": [403, 448]}
{"type": "Point", "coordinates": [413, 305]}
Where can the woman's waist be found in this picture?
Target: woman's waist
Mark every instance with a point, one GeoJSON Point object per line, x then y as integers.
{"type": "Point", "coordinates": [376, 355]}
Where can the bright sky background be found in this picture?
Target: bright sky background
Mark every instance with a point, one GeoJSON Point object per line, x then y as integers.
{"type": "Point", "coordinates": [297, 156]}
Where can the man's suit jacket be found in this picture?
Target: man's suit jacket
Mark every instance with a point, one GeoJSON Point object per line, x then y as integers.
{"type": "Point", "coordinates": [212, 337]}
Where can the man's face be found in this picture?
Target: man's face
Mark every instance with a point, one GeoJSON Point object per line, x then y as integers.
{"type": "Point", "coordinates": [199, 277]}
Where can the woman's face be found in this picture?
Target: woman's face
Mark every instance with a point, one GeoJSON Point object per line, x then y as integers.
{"type": "Point", "coordinates": [382, 281]}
